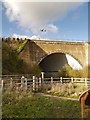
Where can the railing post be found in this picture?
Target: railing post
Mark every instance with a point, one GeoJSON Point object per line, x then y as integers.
{"type": "Point", "coordinates": [22, 81]}
{"type": "Point", "coordinates": [2, 83]}
{"type": "Point", "coordinates": [61, 80]}
{"type": "Point", "coordinates": [51, 80]}
{"type": "Point", "coordinates": [40, 83]}
{"type": "Point", "coordinates": [86, 82]}
{"type": "Point", "coordinates": [25, 83]}
{"type": "Point", "coordinates": [33, 83]}
{"type": "Point", "coordinates": [72, 80]}
{"type": "Point", "coordinates": [42, 76]}
{"type": "Point", "coordinates": [36, 84]}
{"type": "Point", "coordinates": [11, 84]}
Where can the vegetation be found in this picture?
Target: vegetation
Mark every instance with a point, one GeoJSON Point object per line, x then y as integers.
{"type": "Point", "coordinates": [28, 105]}
{"type": "Point", "coordinates": [71, 90]}
{"type": "Point", "coordinates": [21, 47]}
{"type": "Point", "coordinates": [36, 70]}
{"type": "Point", "coordinates": [11, 63]}
{"type": "Point", "coordinates": [67, 71]}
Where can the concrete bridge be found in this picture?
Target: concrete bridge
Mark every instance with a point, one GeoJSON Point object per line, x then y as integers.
{"type": "Point", "coordinates": [51, 55]}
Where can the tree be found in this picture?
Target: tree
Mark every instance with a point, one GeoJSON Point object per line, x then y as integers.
{"type": "Point", "coordinates": [65, 71]}
{"type": "Point", "coordinates": [10, 61]}
{"type": "Point", "coordinates": [36, 70]}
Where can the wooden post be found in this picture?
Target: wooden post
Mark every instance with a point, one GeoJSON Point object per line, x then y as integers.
{"type": "Point", "coordinates": [83, 110]}
{"type": "Point", "coordinates": [82, 99]}
{"type": "Point", "coordinates": [42, 76]}
{"type": "Point", "coordinates": [25, 83]}
{"type": "Point", "coordinates": [72, 80]}
{"type": "Point", "coordinates": [40, 83]}
{"type": "Point", "coordinates": [11, 84]}
{"type": "Point", "coordinates": [2, 83]}
{"type": "Point", "coordinates": [61, 80]}
{"type": "Point", "coordinates": [36, 84]}
{"type": "Point", "coordinates": [33, 83]}
{"type": "Point", "coordinates": [86, 82]}
{"type": "Point", "coordinates": [51, 80]}
{"type": "Point", "coordinates": [22, 81]}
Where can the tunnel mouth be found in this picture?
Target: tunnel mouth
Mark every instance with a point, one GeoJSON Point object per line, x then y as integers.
{"type": "Point", "coordinates": [52, 63]}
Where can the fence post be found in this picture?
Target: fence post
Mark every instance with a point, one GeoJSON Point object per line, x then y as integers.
{"type": "Point", "coordinates": [11, 84]}
{"type": "Point", "coordinates": [61, 80]}
{"type": "Point", "coordinates": [33, 83]}
{"type": "Point", "coordinates": [42, 76]}
{"type": "Point", "coordinates": [25, 83]}
{"type": "Point", "coordinates": [86, 82]}
{"type": "Point", "coordinates": [2, 83]}
{"type": "Point", "coordinates": [72, 80]}
{"type": "Point", "coordinates": [40, 83]}
{"type": "Point", "coordinates": [51, 80]}
{"type": "Point", "coordinates": [36, 84]}
{"type": "Point", "coordinates": [22, 81]}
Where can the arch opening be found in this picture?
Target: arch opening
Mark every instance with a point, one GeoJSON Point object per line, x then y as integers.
{"type": "Point", "coordinates": [54, 62]}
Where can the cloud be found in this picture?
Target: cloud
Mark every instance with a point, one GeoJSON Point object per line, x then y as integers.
{"type": "Point", "coordinates": [52, 28]}
{"type": "Point", "coordinates": [20, 36]}
{"type": "Point", "coordinates": [37, 15]}
{"type": "Point", "coordinates": [35, 37]}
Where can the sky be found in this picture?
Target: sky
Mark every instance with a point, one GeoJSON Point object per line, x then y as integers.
{"type": "Point", "coordinates": [59, 20]}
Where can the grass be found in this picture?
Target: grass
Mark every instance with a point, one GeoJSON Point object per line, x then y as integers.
{"type": "Point", "coordinates": [28, 105]}
{"type": "Point", "coordinates": [71, 90]}
{"type": "Point", "coordinates": [21, 47]}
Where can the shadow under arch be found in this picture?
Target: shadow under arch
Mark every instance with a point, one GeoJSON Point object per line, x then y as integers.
{"type": "Point", "coordinates": [53, 62]}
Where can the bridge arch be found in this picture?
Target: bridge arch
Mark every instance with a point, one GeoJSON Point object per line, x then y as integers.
{"type": "Point", "coordinates": [54, 61]}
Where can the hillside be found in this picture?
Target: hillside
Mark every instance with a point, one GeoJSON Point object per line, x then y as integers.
{"type": "Point", "coordinates": [11, 62]}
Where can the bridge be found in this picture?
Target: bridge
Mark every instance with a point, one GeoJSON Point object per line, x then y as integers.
{"type": "Point", "coordinates": [51, 55]}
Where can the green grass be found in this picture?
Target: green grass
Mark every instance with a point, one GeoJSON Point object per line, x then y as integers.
{"type": "Point", "coordinates": [21, 47]}
{"type": "Point", "coordinates": [28, 105]}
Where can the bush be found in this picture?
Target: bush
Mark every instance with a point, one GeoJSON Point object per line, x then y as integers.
{"type": "Point", "coordinates": [86, 71]}
{"type": "Point", "coordinates": [36, 70]}
{"type": "Point", "coordinates": [67, 71]}
{"type": "Point", "coordinates": [11, 63]}
{"type": "Point", "coordinates": [21, 47]}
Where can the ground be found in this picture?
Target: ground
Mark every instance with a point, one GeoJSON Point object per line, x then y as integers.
{"type": "Point", "coordinates": [29, 105]}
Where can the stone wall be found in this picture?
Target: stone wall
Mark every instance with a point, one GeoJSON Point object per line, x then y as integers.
{"type": "Point", "coordinates": [36, 50]}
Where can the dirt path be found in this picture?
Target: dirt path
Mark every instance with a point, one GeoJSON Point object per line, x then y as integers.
{"type": "Point", "coordinates": [65, 98]}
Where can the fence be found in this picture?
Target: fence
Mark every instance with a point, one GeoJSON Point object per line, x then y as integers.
{"type": "Point", "coordinates": [32, 83]}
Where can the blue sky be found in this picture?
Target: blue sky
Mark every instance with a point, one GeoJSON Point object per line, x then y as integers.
{"type": "Point", "coordinates": [62, 21]}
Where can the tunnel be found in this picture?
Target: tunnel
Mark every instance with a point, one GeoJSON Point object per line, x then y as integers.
{"type": "Point", "coordinates": [53, 62]}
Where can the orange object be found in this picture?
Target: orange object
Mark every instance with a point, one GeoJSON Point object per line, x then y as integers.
{"type": "Point", "coordinates": [85, 103]}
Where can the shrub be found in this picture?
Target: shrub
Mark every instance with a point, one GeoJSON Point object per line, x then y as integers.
{"type": "Point", "coordinates": [21, 47]}
{"type": "Point", "coordinates": [36, 70]}
{"type": "Point", "coordinates": [86, 71]}
{"type": "Point", "coordinates": [65, 71]}
{"type": "Point", "coordinates": [11, 63]}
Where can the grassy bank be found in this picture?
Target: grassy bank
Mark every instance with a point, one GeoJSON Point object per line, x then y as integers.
{"type": "Point", "coordinates": [28, 105]}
